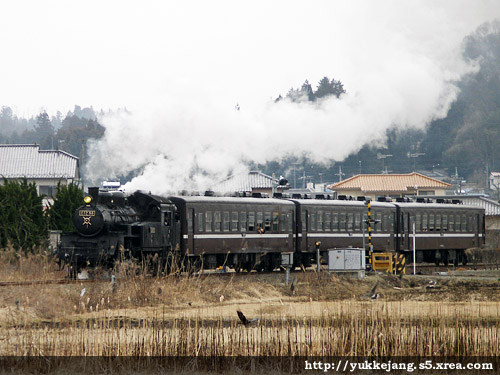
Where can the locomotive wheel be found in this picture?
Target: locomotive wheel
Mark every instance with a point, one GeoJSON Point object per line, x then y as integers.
{"type": "Point", "coordinates": [72, 270]}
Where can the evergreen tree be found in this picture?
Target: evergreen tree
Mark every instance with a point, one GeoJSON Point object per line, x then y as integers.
{"type": "Point", "coordinates": [324, 88]}
{"type": "Point", "coordinates": [307, 90]}
{"type": "Point", "coordinates": [44, 131]}
{"type": "Point", "coordinates": [67, 200]}
{"type": "Point", "coordinates": [22, 221]}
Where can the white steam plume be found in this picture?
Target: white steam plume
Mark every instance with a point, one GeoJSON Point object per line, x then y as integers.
{"type": "Point", "coordinates": [398, 61]}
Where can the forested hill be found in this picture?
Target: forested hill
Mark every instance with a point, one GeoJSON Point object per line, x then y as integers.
{"type": "Point", "coordinates": [467, 140]}
{"type": "Point", "coordinates": [69, 133]}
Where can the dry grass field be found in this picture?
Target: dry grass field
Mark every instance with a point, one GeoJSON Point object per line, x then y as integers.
{"type": "Point", "coordinates": [324, 315]}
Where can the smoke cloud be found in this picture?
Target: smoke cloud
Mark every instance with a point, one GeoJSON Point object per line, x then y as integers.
{"type": "Point", "coordinates": [399, 62]}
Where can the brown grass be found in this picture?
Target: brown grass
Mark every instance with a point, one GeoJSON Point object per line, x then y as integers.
{"type": "Point", "coordinates": [184, 316]}
{"type": "Point", "coordinates": [357, 329]}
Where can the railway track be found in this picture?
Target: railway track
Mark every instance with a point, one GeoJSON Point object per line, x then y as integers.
{"type": "Point", "coordinates": [422, 269]}
{"type": "Point", "coordinates": [48, 282]}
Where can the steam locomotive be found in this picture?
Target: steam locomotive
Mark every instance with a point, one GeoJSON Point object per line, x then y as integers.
{"type": "Point", "coordinates": [248, 233]}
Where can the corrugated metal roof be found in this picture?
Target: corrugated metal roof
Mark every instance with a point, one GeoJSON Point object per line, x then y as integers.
{"type": "Point", "coordinates": [388, 182]}
{"type": "Point", "coordinates": [18, 161]}
{"type": "Point", "coordinates": [245, 182]}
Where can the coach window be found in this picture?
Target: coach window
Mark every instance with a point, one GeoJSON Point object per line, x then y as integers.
{"type": "Point", "coordinates": [243, 221]}
{"type": "Point", "coordinates": [438, 223]}
{"type": "Point", "coordinates": [451, 222]}
{"type": "Point", "coordinates": [217, 221]}
{"type": "Point", "coordinates": [234, 221]}
{"type": "Point", "coordinates": [267, 224]}
{"type": "Point", "coordinates": [385, 223]}
{"type": "Point", "coordinates": [276, 221]}
{"type": "Point", "coordinates": [391, 222]}
{"type": "Point", "coordinates": [342, 218]}
{"type": "Point", "coordinates": [357, 222]}
{"type": "Point", "coordinates": [469, 223]}
{"type": "Point", "coordinates": [445, 223]}
{"type": "Point", "coordinates": [208, 221]}
{"type": "Point", "coordinates": [289, 217]}
{"type": "Point", "coordinates": [312, 218]}
{"type": "Point", "coordinates": [320, 221]}
{"type": "Point", "coordinates": [418, 221]}
{"type": "Point", "coordinates": [284, 220]}
{"type": "Point", "coordinates": [464, 223]}
{"type": "Point", "coordinates": [350, 221]}
{"type": "Point", "coordinates": [457, 223]}
{"type": "Point", "coordinates": [378, 222]}
{"type": "Point", "coordinates": [335, 222]}
{"type": "Point", "coordinates": [431, 222]}
{"type": "Point", "coordinates": [303, 220]}
{"type": "Point", "coordinates": [260, 220]}
{"type": "Point", "coordinates": [328, 221]}
{"type": "Point", "coordinates": [190, 221]}
{"type": "Point", "coordinates": [251, 221]}
{"type": "Point", "coordinates": [200, 222]}
{"type": "Point", "coordinates": [424, 223]}
{"type": "Point", "coordinates": [225, 221]}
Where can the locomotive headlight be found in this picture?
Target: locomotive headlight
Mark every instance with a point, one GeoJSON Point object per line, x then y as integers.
{"type": "Point", "coordinates": [87, 199]}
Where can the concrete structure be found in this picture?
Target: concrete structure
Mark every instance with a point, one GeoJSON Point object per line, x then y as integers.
{"type": "Point", "coordinates": [374, 186]}
{"type": "Point", "coordinates": [251, 182]}
{"type": "Point", "coordinates": [45, 168]}
{"type": "Point", "coordinates": [494, 182]}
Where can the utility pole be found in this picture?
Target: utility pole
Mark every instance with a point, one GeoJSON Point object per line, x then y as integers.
{"type": "Point", "coordinates": [383, 157]}
{"type": "Point", "coordinates": [458, 181]}
{"type": "Point", "coordinates": [414, 156]}
{"type": "Point", "coordinates": [340, 174]}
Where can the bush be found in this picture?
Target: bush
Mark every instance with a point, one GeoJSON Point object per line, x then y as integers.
{"type": "Point", "coordinates": [22, 220]}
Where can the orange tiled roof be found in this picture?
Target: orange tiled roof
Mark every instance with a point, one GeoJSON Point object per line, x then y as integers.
{"type": "Point", "coordinates": [389, 182]}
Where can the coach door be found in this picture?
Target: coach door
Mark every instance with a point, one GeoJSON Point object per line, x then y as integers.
{"type": "Point", "coordinates": [304, 227]}
{"type": "Point", "coordinates": [408, 227]}
{"type": "Point", "coordinates": [476, 225]}
{"type": "Point", "coordinates": [190, 230]}
{"type": "Point", "coordinates": [290, 224]}
{"type": "Point", "coordinates": [399, 230]}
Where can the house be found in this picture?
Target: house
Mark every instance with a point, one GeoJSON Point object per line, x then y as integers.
{"type": "Point", "coordinates": [494, 181]}
{"type": "Point", "coordinates": [45, 168]}
{"type": "Point", "coordinates": [374, 186]}
{"type": "Point", "coordinates": [250, 182]}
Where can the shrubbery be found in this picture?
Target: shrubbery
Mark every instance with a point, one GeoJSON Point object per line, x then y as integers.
{"type": "Point", "coordinates": [24, 223]}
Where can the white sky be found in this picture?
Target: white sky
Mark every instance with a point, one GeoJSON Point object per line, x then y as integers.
{"type": "Point", "coordinates": [185, 64]}
{"type": "Point", "coordinates": [56, 53]}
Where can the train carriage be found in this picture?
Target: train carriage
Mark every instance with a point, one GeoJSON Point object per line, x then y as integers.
{"type": "Point", "coordinates": [442, 231]}
{"type": "Point", "coordinates": [238, 232]}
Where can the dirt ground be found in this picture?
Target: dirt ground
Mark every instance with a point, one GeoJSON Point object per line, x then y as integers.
{"type": "Point", "coordinates": [213, 296]}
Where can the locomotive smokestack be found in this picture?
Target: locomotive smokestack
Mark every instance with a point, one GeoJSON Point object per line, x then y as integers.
{"type": "Point", "coordinates": [94, 193]}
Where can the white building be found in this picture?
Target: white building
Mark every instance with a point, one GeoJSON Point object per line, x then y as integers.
{"type": "Point", "coordinates": [45, 168]}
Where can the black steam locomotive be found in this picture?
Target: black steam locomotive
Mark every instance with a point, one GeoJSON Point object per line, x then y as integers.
{"type": "Point", "coordinates": [248, 233]}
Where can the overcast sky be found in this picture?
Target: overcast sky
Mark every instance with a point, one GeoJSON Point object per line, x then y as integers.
{"type": "Point", "coordinates": [185, 65]}
{"type": "Point", "coordinates": [56, 54]}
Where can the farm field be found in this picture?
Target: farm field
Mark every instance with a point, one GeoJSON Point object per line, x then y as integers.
{"type": "Point", "coordinates": [324, 315]}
